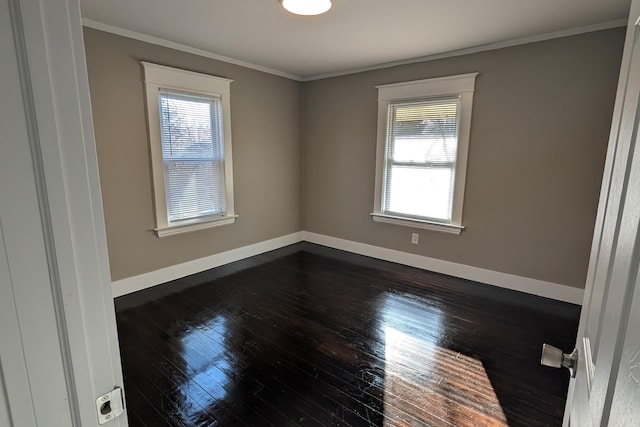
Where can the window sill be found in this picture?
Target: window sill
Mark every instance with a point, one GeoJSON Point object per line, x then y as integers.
{"type": "Point", "coordinates": [417, 223]}
{"type": "Point", "coordinates": [194, 226]}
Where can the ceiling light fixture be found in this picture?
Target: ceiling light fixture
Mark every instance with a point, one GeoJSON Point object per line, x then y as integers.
{"type": "Point", "coordinates": [307, 7]}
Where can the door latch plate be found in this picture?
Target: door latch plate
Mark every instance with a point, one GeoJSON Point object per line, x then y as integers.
{"type": "Point", "coordinates": [110, 405]}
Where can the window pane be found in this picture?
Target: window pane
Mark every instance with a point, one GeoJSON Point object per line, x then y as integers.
{"type": "Point", "coordinates": [424, 150]}
{"type": "Point", "coordinates": [421, 156]}
{"type": "Point", "coordinates": [193, 188]}
{"type": "Point", "coordinates": [190, 126]}
{"type": "Point", "coordinates": [192, 149]}
{"type": "Point", "coordinates": [425, 131]}
{"type": "Point", "coordinates": [420, 192]}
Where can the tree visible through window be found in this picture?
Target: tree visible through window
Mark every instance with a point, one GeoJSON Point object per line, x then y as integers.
{"type": "Point", "coordinates": [190, 141]}
{"type": "Point", "coordinates": [192, 152]}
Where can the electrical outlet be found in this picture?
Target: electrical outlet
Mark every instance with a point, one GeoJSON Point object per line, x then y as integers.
{"type": "Point", "coordinates": [414, 238]}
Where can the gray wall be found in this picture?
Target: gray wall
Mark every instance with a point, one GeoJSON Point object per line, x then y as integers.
{"type": "Point", "coordinates": [266, 120]}
{"type": "Point", "coordinates": [540, 124]}
{"type": "Point", "coordinates": [304, 156]}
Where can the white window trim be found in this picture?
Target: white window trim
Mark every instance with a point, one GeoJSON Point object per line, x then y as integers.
{"type": "Point", "coordinates": [158, 77]}
{"type": "Point", "coordinates": [462, 85]}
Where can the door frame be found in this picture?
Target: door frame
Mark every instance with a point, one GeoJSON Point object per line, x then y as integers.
{"type": "Point", "coordinates": [53, 78]}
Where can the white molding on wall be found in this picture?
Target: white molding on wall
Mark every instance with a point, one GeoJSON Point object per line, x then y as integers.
{"type": "Point", "coordinates": [166, 274]}
{"type": "Point", "coordinates": [495, 278]}
{"type": "Point", "coordinates": [182, 47]}
{"type": "Point", "coordinates": [489, 277]}
{"type": "Point", "coordinates": [476, 49]}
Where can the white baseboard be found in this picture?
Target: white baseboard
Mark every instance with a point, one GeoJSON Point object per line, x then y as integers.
{"type": "Point", "coordinates": [495, 278]}
{"type": "Point", "coordinates": [503, 280]}
{"type": "Point", "coordinates": [157, 277]}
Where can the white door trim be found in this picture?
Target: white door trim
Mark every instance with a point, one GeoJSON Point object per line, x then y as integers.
{"type": "Point", "coordinates": [55, 90]}
{"type": "Point", "coordinates": [611, 267]}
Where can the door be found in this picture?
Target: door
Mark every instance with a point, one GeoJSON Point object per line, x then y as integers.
{"type": "Point", "coordinates": [606, 390]}
{"type": "Point", "coordinates": [58, 340]}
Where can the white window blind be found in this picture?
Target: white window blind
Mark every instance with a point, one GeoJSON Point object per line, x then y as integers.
{"type": "Point", "coordinates": [420, 169]}
{"type": "Point", "coordinates": [191, 130]}
{"type": "Point", "coordinates": [189, 118]}
{"type": "Point", "coordinates": [421, 153]}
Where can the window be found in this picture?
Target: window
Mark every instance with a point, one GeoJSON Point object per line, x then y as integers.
{"type": "Point", "coordinates": [423, 138]}
{"type": "Point", "coordinates": [190, 137]}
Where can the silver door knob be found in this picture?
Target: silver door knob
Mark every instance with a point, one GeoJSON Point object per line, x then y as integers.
{"type": "Point", "coordinates": [555, 358]}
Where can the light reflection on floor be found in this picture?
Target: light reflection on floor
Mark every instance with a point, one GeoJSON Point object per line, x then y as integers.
{"type": "Point", "coordinates": [419, 373]}
{"type": "Point", "coordinates": [209, 364]}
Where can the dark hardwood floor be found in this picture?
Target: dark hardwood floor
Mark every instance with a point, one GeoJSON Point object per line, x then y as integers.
{"type": "Point", "coordinates": [307, 335]}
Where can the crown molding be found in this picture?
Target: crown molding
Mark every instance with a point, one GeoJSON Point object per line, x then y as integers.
{"type": "Point", "coordinates": [183, 47]}
{"type": "Point", "coordinates": [467, 51]}
{"type": "Point", "coordinates": [476, 49]}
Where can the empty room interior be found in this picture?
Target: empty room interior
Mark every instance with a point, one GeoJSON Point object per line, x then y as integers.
{"type": "Point", "coordinates": [311, 333]}
{"type": "Point", "coordinates": [355, 213]}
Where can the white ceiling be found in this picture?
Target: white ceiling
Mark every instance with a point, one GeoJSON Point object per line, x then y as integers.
{"type": "Point", "coordinates": [354, 34]}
